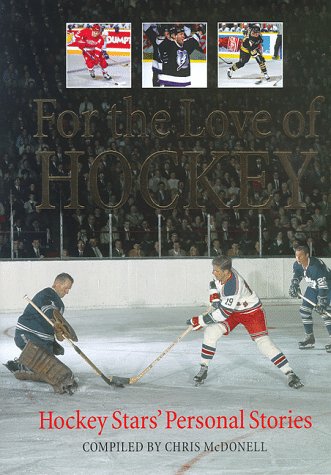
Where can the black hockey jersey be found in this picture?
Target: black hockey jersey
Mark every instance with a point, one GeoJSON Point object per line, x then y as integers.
{"type": "Point", "coordinates": [153, 36]}
{"type": "Point", "coordinates": [176, 63]}
{"type": "Point", "coordinates": [251, 44]}
{"type": "Point", "coordinates": [31, 322]}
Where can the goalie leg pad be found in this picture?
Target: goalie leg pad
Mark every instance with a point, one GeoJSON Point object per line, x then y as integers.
{"type": "Point", "coordinates": [28, 376]}
{"type": "Point", "coordinates": [48, 368]}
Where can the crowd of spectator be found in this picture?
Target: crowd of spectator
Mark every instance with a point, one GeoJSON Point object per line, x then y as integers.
{"type": "Point", "coordinates": [33, 66]}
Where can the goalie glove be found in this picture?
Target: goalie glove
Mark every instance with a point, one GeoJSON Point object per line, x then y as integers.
{"type": "Point", "coordinates": [58, 332]}
{"type": "Point", "coordinates": [62, 328]}
{"type": "Point", "coordinates": [294, 288]}
{"type": "Point", "coordinates": [322, 303]}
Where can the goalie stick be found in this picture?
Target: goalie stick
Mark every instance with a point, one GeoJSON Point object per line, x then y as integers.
{"type": "Point", "coordinates": [111, 380]}
{"type": "Point", "coordinates": [312, 303]}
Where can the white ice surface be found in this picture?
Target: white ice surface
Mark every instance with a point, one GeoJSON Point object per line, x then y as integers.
{"type": "Point", "coordinates": [123, 342]}
{"type": "Point", "coordinates": [249, 74]}
{"type": "Point", "coordinates": [78, 76]}
{"type": "Point", "coordinates": [198, 75]}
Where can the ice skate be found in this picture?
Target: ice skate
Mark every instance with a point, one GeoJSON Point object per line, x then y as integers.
{"type": "Point", "coordinates": [201, 376]}
{"type": "Point", "coordinates": [328, 348]}
{"type": "Point", "coordinates": [92, 73]}
{"type": "Point", "coordinates": [293, 380]}
{"type": "Point", "coordinates": [307, 343]}
{"type": "Point", "coordinates": [106, 76]}
{"type": "Point", "coordinates": [229, 72]}
{"type": "Point", "coordinates": [266, 77]}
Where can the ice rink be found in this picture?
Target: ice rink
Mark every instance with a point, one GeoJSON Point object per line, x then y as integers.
{"type": "Point", "coordinates": [77, 74]}
{"type": "Point", "coordinates": [198, 74]}
{"type": "Point", "coordinates": [123, 342]}
{"type": "Point", "coordinates": [250, 74]}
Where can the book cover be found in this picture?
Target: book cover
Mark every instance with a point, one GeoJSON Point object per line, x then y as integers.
{"type": "Point", "coordinates": [134, 119]}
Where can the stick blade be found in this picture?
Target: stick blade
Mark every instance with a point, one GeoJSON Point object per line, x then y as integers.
{"type": "Point", "coordinates": [118, 381]}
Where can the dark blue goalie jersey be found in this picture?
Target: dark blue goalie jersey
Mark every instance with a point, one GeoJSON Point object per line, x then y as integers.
{"type": "Point", "coordinates": [31, 322]}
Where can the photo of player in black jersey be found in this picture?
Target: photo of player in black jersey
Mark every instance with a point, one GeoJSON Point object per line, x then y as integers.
{"type": "Point", "coordinates": [246, 54]}
{"type": "Point", "coordinates": [174, 55]}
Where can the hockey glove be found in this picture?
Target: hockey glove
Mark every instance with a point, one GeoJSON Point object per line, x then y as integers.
{"type": "Point", "coordinates": [322, 303]}
{"type": "Point", "coordinates": [201, 28]}
{"type": "Point", "coordinates": [294, 289]}
{"type": "Point", "coordinates": [196, 322]}
{"type": "Point", "coordinates": [201, 321]}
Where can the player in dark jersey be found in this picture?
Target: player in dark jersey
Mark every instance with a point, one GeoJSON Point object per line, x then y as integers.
{"type": "Point", "coordinates": [35, 336]}
{"type": "Point", "coordinates": [155, 36]}
{"type": "Point", "coordinates": [32, 326]}
{"type": "Point", "coordinates": [318, 278]}
{"type": "Point", "coordinates": [251, 48]}
{"type": "Point", "coordinates": [175, 55]}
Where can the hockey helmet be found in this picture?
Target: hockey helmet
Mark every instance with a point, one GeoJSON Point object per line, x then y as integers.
{"type": "Point", "coordinates": [255, 30]}
{"type": "Point", "coordinates": [179, 29]}
{"type": "Point", "coordinates": [97, 28]}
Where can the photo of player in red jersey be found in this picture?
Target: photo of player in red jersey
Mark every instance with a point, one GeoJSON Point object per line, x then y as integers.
{"type": "Point", "coordinates": [98, 55]}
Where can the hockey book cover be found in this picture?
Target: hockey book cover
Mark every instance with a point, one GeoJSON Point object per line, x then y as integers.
{"type": "Point", "coordinates": [139, 140]}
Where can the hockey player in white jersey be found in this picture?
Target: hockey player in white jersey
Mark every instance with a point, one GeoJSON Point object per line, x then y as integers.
{"type": "Point", "coordinates": [234, 303]}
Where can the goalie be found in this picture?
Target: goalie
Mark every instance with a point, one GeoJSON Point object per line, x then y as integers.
{"type": "Point", "coordinates": [36, 338]}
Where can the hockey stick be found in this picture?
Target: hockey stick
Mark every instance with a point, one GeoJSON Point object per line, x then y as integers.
{"type": "Point", "coordinates": [118, 63]}
{"type": "Point", "coordinates": [276, 82]}
{"type": "Point", "coordinates": [312, 303]}
{"type": "Point", "coordinates": [134, 379]}
{"type": "Point", "coordinates": [225, 61]}
{"type": "Point", "coordinates": [272, 78]}
{"type": "Point", "coordinates": [112, 380]}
